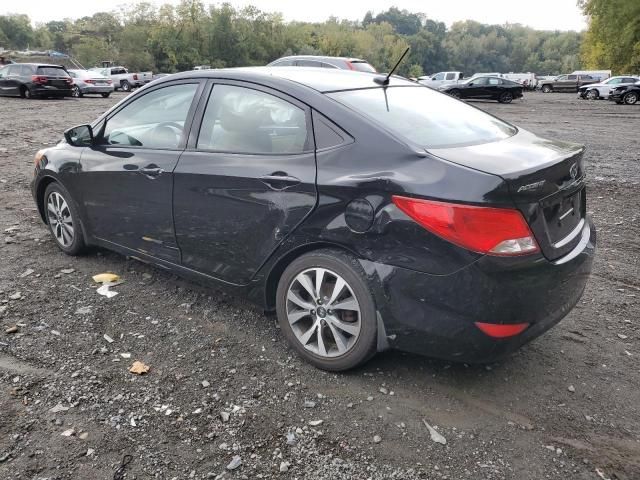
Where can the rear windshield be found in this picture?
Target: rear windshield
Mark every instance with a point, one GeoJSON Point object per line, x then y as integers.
{"type": "Point", "coordinates": [425, 117]}
{"type": "Point", "coordinates": [362, 66]}
{"type": "Point", "coordinates": [52, 72]}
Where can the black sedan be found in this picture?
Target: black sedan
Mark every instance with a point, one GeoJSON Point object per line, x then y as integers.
{"type": "Point", "coordinates": [627, 94]}
{"type": "Point", "coordinates": [368, 215]}
{"type": "Point", "coordinates": [31, 80]}
{"type": "Point", "coordinates": [485, 88]}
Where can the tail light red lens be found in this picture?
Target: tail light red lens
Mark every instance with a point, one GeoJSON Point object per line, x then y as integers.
{"type": "Point", "coordinates": [502, 331]}
{"type": "Point", "coordinates": [89, 81]}
{"type": "Point", "coordinates": [69, 80]}
{"type": "Point", "coordinates": [135, 76]}
{"type": "Point", "coordinates": [491, 231]}
{"type": "Point", "coordinates": [39, 79]}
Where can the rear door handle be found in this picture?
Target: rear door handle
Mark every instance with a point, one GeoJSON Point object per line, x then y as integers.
{"type": "Point", "coordinates": [151, 172]}
{"type": "Point", "coordinates": [279, 182]}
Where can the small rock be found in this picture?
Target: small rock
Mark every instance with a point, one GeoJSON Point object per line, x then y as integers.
{"type": "Point", "coordinates": [107, 338]}
{"type": "Point", "coordinates": [309, 404]}
{"type": "Point", "coordinates": [284, 467]}
{"type": "Point", "coordinates": [622, 336]}
{"type": "Point", "coordinates": [369, 398]}
{"type": "Point", "coordinates": [83, 310]}
{"type": "Point", "coordinates": [27, 272]}
{"type": "Point", "coordinates": [571, 388]}
{"type": "Point", "coordinates": [90, 452]}
{"type": "Point", "coordinates": [315, 423]}
{"type": "Point", "coordinates": [125, 355]}
{"type": "Point", "coordinates": [377, 439]}
{"type": "Point", "coordinates": [349, 405]}
{"type": "Point", "coordinates": [224, 416]}
{"type": "Point", "coordinates": [67, 270]}
{"type": "Point", "coordinates": [13, 329]}
{"type": "Point", "coordinates": [235, 462]}
{"type": "Point", "coordinates": [435, 435]}
{"type": "Point", "coordinates": [383, 390]}
{"type": "Point", "coordinates": [291, 438]}
{"type": "Point", "coordinates": [16, 296]}
{"type": "Point", "coordinates": [68, 433]}
{"type": "Point", "coordinates": [205, 384]}
{"type": "Point", "coordinates": [58, 408]}
{"type": "Point", "coordinates": [83, 435]}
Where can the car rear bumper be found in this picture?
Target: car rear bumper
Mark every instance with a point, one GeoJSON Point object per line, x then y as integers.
{"type": "Point", "coordinates": [51, 91]}
{"type": "Point", "coordinates": [435, 315]}
{"type": "Point", "coordinates": [97, 89]}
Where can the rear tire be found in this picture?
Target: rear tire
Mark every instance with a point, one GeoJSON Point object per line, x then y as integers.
{"type": "Point", "coordinates": [630, 98]}
{"type": "Point", "coordinates": [337, 330]}
{"type": "Point", "coordinates": [63, 220]}
{"type": "Point", "coordinates": [26, 93]}
{"type": "Point", "coordinates": [75, 92]}
{"type": "Point", "coordinates": [547, 89]}
{"type": "Point", "coordinates": [105, 95]}
{"type": "Point", "coordinates": [454, 93]}
{"type": "Point", "coordinates": [506, 97]}
{"type": "Point", "coordinates": [126, 86]}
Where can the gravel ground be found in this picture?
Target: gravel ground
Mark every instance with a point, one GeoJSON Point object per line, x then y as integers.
{"type": "Point", "coordinates": [223, 387]}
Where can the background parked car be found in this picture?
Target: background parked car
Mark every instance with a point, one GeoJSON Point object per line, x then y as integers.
{"type": "Point", "coordinates": [342, 63]}
{"type": "Point", "coordinates": [441, 78]}
{"type": "Point", "coordinates": [121, 78]}
{"type": "Point", "coordinates": [492, 88]}
{"type": "Point", "coordinates": [629, 94]}
{"type": "Point", "coordinates": [87, 82]}
{"type": "Point", "coordinates": [602, 89]}
{"type": "Point", "coordinates": [528, 80]}
{"type": "Point", "coordinates": [566, 83]}
{"type": "Point", "coordinates": [30, 80]}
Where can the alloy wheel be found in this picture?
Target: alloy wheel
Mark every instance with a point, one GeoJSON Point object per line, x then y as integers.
{"type": "Point", "coordinates": [592, 94]}
{"type": "Point", "coordinates": [76, 91]}
{"type": "Point", "coordinates": [60, 219]}
{"type": "Point", "coordinates": [323, 312]}
{"type": "Point", "coordinates": [631, 98]}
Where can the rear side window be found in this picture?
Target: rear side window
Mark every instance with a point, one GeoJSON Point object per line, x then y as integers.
{"type": "Point", "coordinates": [326, 133]}
{"type": "Point", "coordinates": [52, 72]}
{"type": "Point", "coordinates": [26, 70]}
{"type": "Point", "coordinates": [243, 120]}
{"type": "Point", "coordinates": [451, 76]}
{"type": "Point", "coordinates": [308, 63]}
{"type": "Point", "coordinates": [573, 77]}
{"type": "Point", "coordinates": [14, 70]}
{"type": "Point", "coordinates": [424, 117]}
{"type": "Point", "coordinates": [283, 63]}
{"type": "Point", "coordinates": [362, 66]}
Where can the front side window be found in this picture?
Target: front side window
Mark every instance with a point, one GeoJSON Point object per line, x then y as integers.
{"type": "Point", "coordinates": [14, 70]}
{"type": "Point", "coordinates": [439, 76]}
{"type": "Point", "coordinates": [4, 71]}
{"type": "Point", "coordinates": [154, 120]}
{"type": "Point", "coordinates": [561, 78]}
{"type": "Point", "coordinates": [243, 120]}
{"type": "Point", "coordinates": [424, 117]}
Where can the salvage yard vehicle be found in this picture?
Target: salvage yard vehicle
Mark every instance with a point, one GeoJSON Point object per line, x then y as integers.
{"type": "Point", "coordinates": [441, 78]}
{"type": "Point", "coordinates": [342, 63]}
{"type": "Point", "coordinates": [35, 80]}
{"type": "Point", "coordinates": [627, 94]}
{"type": "Point", "coordinates": [566, 83]}
{"type": "Point", "coordinates": [488, 88]}
{"type": "Point", "coordinates": [121, 78]}
{"type": "Point", "coordinates": [368, 211]}
{"type": "Point", "coordinates": [595, 91]}
{"type": "Point", "coordinates": [87, 82]}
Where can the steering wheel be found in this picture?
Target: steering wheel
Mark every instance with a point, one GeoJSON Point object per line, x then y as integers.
{"type": "Point", "coordinates": [159, 132]}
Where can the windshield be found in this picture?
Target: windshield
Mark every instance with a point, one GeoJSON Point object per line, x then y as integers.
{"type": "Point", "coordinates": [425, 117]}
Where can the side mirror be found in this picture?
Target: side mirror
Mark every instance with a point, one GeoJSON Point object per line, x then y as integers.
{"type": "Point", "coordinates": [79, 136]}
{"type": "Point", "coordinates": [471, 84]}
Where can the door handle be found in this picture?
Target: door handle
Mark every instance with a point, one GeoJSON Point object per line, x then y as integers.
{"type": "Point", "coordinates": [151, 172]}
{"type": "Point", "coordinates": [279, 182]}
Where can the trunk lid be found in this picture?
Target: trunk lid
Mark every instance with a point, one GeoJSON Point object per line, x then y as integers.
{"type": "Point", "coordinates": [545, 180]}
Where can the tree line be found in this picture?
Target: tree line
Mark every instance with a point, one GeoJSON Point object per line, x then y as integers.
{"type": "Point", "coordinates": [173, 38]}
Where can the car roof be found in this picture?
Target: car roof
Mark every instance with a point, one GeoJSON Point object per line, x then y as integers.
{"type": "Point", "coordinates": [38, 64]}
{"type": "Point", "coordinates": [322, 80]}
{"type": "Point", "coordinates": [321, 57]}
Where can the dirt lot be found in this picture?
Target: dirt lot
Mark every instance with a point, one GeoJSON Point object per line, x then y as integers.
{"type": "Point", "coordinates": [223, 383]}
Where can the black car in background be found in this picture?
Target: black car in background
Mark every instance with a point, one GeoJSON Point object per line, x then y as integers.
{"type": "Point", "coordinates": [488, 88]}
{"type": "Point", "coordinates": [627, 94]}
{"type": "Point", "coordinates": [366, 213]}
{"type": "Point", "coordinates": [342, 63]}
{"type": "Point", "coordinates": [31, 80]}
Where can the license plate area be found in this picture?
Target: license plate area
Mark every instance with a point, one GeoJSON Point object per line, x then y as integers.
{"type": "Point", "coordinates": [562, 213]}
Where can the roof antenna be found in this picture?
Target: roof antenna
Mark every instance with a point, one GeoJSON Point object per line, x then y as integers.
{"type": "Point", "coordinates": [385, 81]}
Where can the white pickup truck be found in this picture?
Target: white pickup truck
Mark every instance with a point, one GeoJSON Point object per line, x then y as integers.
{"type": "Point", "coordinates": [441, 78]}
{"type": "Point", "coordinates": [124, 80]}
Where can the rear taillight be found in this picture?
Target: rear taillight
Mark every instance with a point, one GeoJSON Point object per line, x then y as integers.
{"type": "Point", "coordinates": [89, 81]}
{"type": "Point", "coordinates": [39, 79]}
{"type": "Point", "coordinates": [69, 80]}
{"type": "Point", "coordinates": [135, 77]}
{"type": "Point", "coordinates": [109, 82]}
{"type": "Point", "coordinates": [492, 231]}
{"type": "Point", "coordinates": [349, 64]}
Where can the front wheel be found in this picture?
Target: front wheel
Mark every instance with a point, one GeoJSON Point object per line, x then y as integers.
{"type": "Point", "coordinates": [63, 220]}
{"type": "Point", "coordinates": [326, 310]}
{"type": "Point", "coordinates": [506, 97]}
{"type": "Point", "coordinates": [630, 98]}
{"type": "Point", "coordinates": [592, 94]}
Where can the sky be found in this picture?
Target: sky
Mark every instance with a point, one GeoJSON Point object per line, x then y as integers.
{"type": "Point", "coordinates": [539, 14]}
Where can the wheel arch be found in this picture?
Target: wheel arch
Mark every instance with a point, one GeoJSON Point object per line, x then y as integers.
{"type": "Point", "coordinates": [272, 278]}
{"type": "Point", "coordinates": [40, 189]}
